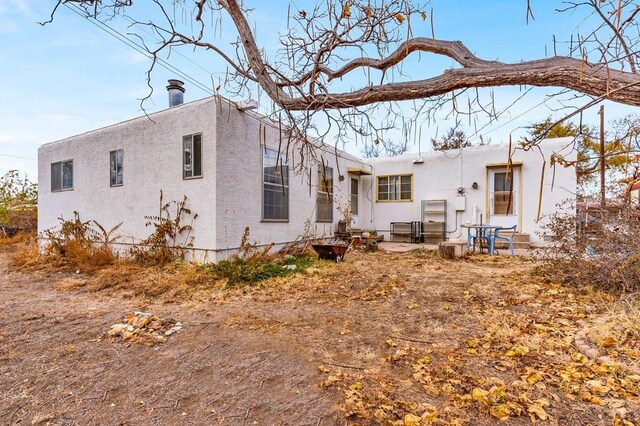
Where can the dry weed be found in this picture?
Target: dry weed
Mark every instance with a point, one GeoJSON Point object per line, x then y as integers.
{"type": "Point", "coordinates": [21, 237]}
{"type": "Point", "coordinates": [618, 333]}
{"type": "Point", "coordinates": [26, 255]}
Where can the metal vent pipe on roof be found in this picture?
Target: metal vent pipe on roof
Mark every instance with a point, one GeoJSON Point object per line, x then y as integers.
{"type": "Point", "coordinates": [176, 92]}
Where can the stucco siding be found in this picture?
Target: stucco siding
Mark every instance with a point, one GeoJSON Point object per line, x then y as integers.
{"type": "Point", "coordinates": [229, 195]}
{"type": "Point", "coordinates": [242, 137]}
{"type": "Point", "coordinates": [152, 163]}
{"type": "Point", "coordinates": [441, 174]}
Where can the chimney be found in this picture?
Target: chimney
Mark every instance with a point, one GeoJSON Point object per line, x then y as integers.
{"type": "Point", "coordinates": [176, 92]}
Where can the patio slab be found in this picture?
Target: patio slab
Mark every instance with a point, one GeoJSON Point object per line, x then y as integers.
{"type": "Point", "coordinates": [395, 247]}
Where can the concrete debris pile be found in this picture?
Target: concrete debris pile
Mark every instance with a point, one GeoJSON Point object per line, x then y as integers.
{"type": "Point", "coordinates": [144, 327]}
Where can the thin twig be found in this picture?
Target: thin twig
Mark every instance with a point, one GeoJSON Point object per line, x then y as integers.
{"type": "Point", "coordinates": [410, 339]}
{"type": "Point", "coordinates": [344, 365]}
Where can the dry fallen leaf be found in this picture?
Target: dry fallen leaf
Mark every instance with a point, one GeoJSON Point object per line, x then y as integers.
{"type": "Point", "coordinates": [517, 351]}
{"type": "Point", "coordinates": [501, 412]}
{"type": "Point", "coordinates": [480, 395]}
{"type": "Point", "coordinates": [608, 342]}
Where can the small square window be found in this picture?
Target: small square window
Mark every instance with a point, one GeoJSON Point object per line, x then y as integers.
{"type": "Point", "coordinates": [395, 188]}
{"type": "Point", "coordinates": [62, 175]}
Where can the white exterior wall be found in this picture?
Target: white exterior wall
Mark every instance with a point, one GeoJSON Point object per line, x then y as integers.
{"type": "Point", "coordinates": [228, 197]}
{"type": "Point", "coordinates": [152, 162]}
{"type": "Point", "coordinates": [241, 139]}
{"type": "Point", "coordinates": [441, 173]}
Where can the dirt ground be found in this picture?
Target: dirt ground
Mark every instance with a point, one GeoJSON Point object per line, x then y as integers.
{"type": "Point", "coordinates": [383, 338]}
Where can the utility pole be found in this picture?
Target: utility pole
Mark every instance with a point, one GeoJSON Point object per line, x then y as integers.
{"type": "Point", "coordinates": [602, 185]}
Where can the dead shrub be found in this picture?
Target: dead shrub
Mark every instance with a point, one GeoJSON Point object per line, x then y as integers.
{"type": "Point", "coordinates": [77, 244]}
{"type": "Point", "coordinates": [603, 249]}
{"type": "Point", "coordinates": [163, 245]}
{"type": "Point", "coordinates": [26, 255]}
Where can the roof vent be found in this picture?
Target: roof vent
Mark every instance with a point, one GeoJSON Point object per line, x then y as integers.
{"type": "Point", "coordinates": [247, 105]}
{"type": "Point", "coordinates": [176, 92]}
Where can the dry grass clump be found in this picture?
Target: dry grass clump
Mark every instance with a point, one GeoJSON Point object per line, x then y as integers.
{"type": "Point", "coordinates": [618, 334]}
{"type": "Point", "coordinates": [179, 281]}
{"type": "Point", "coordinates": [26, 255]}
{"type": "Point", "coordinates": [20, 237]}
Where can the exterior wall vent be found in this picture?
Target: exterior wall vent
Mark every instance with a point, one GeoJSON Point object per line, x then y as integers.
{"type": "Point", "coordinates": [176, 92]}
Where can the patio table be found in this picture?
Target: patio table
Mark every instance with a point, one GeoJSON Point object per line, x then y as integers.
{"type": "Point", "coordinates": [481, 232]}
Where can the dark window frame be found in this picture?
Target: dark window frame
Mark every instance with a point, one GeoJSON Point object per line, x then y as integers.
{"type": "Point", "coordinates": [113, 167]}
{"type": "Point", "coordinates": [275, 186]}
{"type": "Point", "coordinates": [192, 156]}
{"type": "Point", "coordinates": [59, 184]}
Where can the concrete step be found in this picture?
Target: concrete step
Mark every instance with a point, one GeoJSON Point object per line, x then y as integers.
{"type": "Point", "coordinates": [504, 245]}
{"type": "Point", "coordinates": [520, 241]}
{"type": "Point", "coordinates": [521, 238]}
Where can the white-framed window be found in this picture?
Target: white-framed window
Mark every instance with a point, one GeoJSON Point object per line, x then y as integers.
{"type": "Point", "coordinates": [62, 175]}
{"type": "Point", "coordinates": [275, 186]}
{"type": "Point", "coordinates": [353, 196]}
{"type": "Point", "coordinates": [324, 200]}
{"type": "Point", "coordinates": [116, 167]}
{"type": "Point", "coordinates": [395, 188]}
{"type": "Point", "coordinates": [192, 156]}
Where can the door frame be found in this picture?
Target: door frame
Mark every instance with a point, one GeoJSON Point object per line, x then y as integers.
{"type": "Point", "coordinates": [505, 166]}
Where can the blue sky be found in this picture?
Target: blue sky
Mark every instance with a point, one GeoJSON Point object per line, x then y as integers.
{"type": "Point", "coordinates": [70, 77]}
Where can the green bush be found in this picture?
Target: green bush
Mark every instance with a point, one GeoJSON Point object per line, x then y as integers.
{"type": "Point", "coordinates": [18, 202]}
{"type": "Point", "coordinates": [249, 271]}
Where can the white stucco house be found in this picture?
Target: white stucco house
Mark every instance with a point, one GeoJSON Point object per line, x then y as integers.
{"type": "Point", "coordinates": [236, 170]}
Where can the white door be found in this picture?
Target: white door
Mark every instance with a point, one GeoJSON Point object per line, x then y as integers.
{"type": "Point", "coordinates": [504, 196]}
{"type": "Point", "coordinates": [354, 202]}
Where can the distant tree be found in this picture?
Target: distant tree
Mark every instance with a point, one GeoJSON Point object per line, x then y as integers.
{"type": "Point", "coordinates": [18, 201]}
{"type": "Point", "coordinates": [626, 142]}
{"type": "Point", "coordinates": [587, 143]}
{"type": "Point", "coordinates": [454, 139]}
{"type": "Point", "coordinates": [387, 148]}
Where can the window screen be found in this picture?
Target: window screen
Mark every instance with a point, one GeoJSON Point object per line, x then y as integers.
{"type": "Point", "coordinates": [324, 200]}
{"type": "Point", "coordinates": [394, 188]}
{"type": "Point", "coordinates": [275, 186]}
{"type": "Point", "coordinates": [353, 196]}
